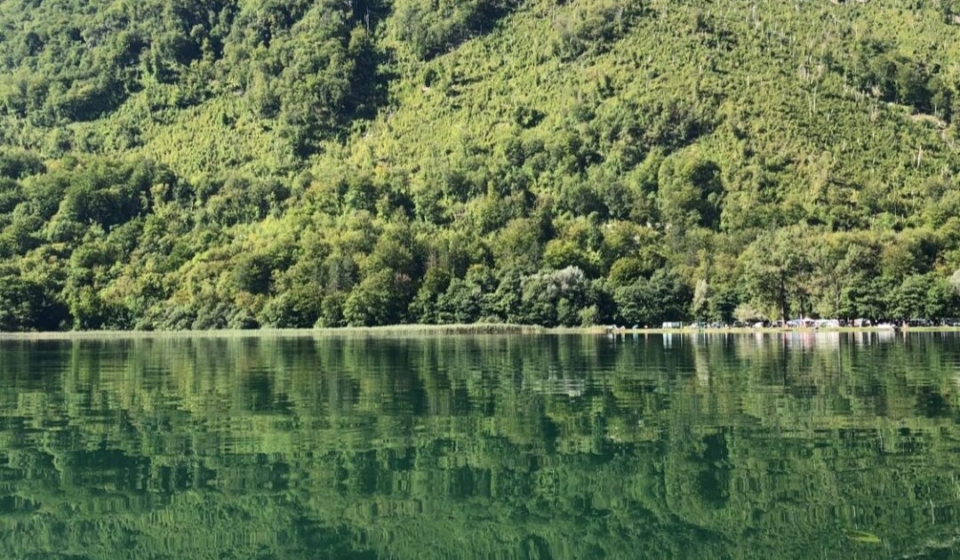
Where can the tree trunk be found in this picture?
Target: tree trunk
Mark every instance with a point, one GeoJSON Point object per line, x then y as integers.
{"type": "Point", "coordinates": [783, 300]}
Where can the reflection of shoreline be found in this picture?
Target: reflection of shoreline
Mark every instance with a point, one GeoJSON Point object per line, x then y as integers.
{"type": "Point", "coordinates": [770, 330]}
{"type": "Point", "coordinates": [800, 338]}
{"type": "Point", "coordinates": [808, 339]}
{"type": "Point", "coordinates": [865, 338]}
{"type": "Point", "coordinates": [413, 331]}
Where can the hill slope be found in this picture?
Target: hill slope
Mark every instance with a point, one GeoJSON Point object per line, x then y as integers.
{"type": "Point", "coordinates": [239, 164]}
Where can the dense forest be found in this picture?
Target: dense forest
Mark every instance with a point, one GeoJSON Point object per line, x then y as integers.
{"type": "Point", "coordinates": [485, 447]}
{"type": "Point", "coordinates": [198, 164]}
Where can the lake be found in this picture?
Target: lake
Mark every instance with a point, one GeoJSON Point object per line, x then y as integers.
{"type": "Point", "coordinates": [812, 445]}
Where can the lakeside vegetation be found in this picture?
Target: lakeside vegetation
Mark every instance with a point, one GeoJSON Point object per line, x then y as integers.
{"type": "Point", "coordinates": [236, 164]}
{"type": "Point", "coordinates": [390, 331]}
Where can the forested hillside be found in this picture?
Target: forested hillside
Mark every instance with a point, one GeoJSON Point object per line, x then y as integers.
{"type": "Point", "coordinates": [240, 164]}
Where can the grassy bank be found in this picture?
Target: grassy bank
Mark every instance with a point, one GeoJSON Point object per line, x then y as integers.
{"type": "Point", "coordinates": [387, 331]}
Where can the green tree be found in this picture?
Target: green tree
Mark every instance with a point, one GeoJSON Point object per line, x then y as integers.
{"type": "Point", "coordinates": [700, 307]}
{"type": "Point", "coordinates": [651, 302]}
{"type": "Point", "coordinates": [691, 190]}
{"type": "Point", "coordinates": [774, 268]}
{"type": "Point", "coordinates": [381, 298]}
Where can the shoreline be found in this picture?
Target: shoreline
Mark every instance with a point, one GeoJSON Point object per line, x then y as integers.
{"type": "Point", "coordinates": [401, 331]}
{"type": "Point", "coordinates": [382, 331]}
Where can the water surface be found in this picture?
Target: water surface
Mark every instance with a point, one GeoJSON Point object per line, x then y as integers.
{"type": "Point", "coordinates": [769, 446]}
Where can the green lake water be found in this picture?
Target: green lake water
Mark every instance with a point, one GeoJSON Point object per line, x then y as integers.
{"type": "Point", "coordinates": [811, 445]}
